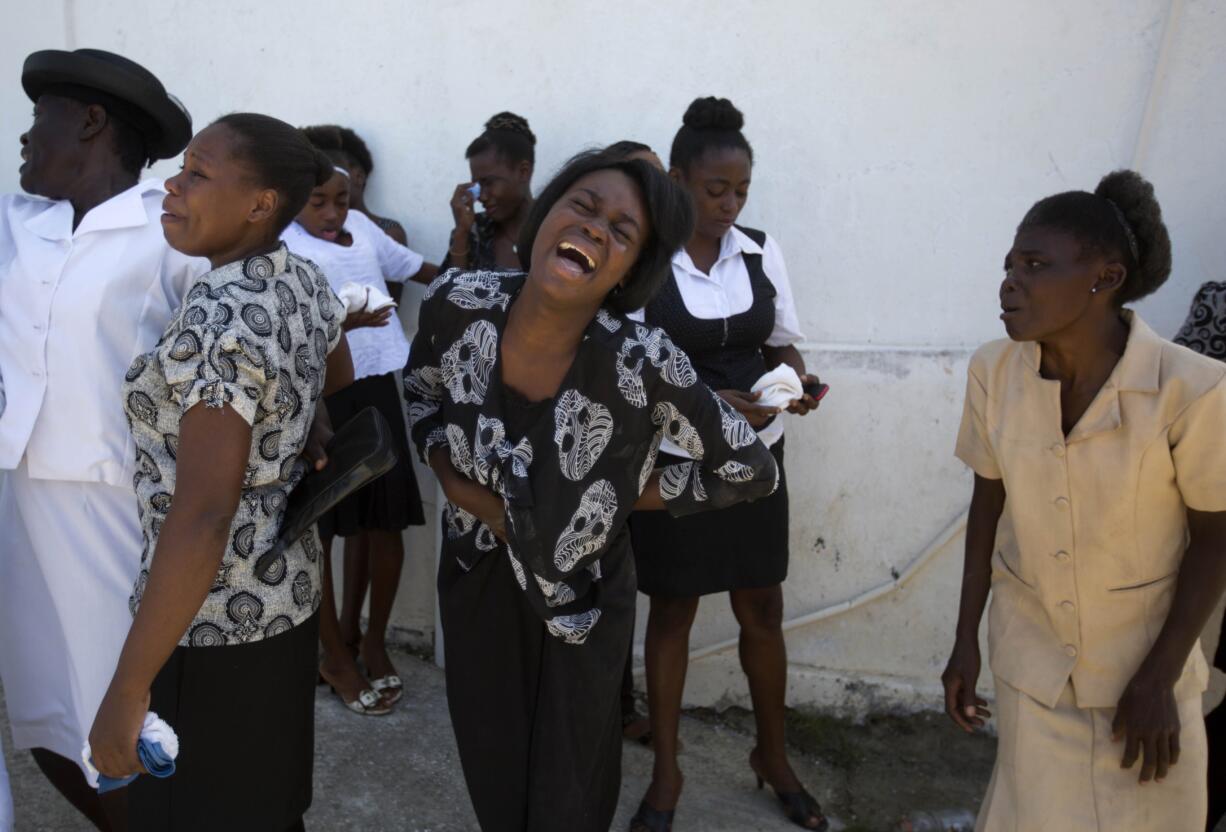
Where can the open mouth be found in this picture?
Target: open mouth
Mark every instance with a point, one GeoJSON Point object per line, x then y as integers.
{"type": "Point", "coordinates": [329, 234]}
{"type": "Point", "coordinates": [571, 252]}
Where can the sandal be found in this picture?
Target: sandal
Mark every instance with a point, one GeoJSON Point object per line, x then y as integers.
{"type": "Point", "coordinates": [368, 703]}
{"type": "Point", "coordinates": [389, 687]}
{"type": "Point", "coordinates": [798, 807]}
{"type": "Point", "coordinates": [647, 819]}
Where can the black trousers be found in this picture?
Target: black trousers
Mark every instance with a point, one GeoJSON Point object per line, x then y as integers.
{"type": "Point", "coordinates": [537, 721]}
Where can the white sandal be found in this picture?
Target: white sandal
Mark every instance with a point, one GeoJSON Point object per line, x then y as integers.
{"type": "Point", "coordinates": [390, 687]}
{"type": "Point", "coordinates": [368, 703]}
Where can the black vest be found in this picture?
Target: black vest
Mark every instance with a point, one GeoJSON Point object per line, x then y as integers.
{"type": "Point", "coordinates": [726, 352]}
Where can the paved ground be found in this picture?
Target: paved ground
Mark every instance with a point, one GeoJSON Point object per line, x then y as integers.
{"type": "Point", "coordinates": [400, 772]}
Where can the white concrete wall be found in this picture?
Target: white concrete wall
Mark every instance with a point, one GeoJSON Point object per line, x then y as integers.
{"type": "Point", "coordinates": [898, 144]}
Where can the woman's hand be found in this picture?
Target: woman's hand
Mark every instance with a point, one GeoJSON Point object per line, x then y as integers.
{"type": "Point", "coordinates": [463, 211]}
{"type": "Point", "coordinates": [116, 730]}
{"type": "Point", "coordinates": [746, 404]}
{"type": "Point", "coordinates": [1147, 720]}
{"type": "Point", "coordinates": [316, 449]}
{"type": "Point", "coordinates": [961, 675]}
{"type": "Point", "coordinates": [362, 318]}
{"type": "Point", "coordinates": [473, 497]}
{"type": "Point", "coordinates": [806, 403]}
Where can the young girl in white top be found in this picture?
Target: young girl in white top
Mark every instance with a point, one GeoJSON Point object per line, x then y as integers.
{"type": "Point", "coordinates": [351, 249]}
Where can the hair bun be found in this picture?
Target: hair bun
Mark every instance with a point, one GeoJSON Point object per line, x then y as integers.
{"type": "Point", "coordinates": [1133, 196]}
{"type": "Point", "coordinates": [511, 123]}
{"type": "Point", "coordinates": [712, 113]}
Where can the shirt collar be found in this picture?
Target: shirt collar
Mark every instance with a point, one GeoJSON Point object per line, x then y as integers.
{"type": "Point", "coordinates": [124, 210]}
{"type": "Point", "coordinates": [1139, 368]}
{"type": "Point", "coordinates": [734, 243]}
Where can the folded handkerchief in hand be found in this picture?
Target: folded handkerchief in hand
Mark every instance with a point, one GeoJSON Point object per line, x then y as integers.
{"type": "Point", "coordinates": [359, 298]}
{"type": "Point", "coordinates": [157, 749]}
{"type": "Point", "coordinates": [780, 387]}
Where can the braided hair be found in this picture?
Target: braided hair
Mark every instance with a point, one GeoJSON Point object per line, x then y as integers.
{"type": "Point", "coordinates": [509, 136]}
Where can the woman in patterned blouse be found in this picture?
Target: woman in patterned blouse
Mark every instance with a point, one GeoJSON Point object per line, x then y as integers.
{"type": "Point", "coordinates": [500, 162]}
{"type": "Point", "coordinates": [541, 408]}
{"type": "Point", "coordinates": [219, 413]}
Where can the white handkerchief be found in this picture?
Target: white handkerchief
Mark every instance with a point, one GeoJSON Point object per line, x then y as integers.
{"type": "Point", "coordinates": [780, 387]}
{"type": "Point", "coordinates": [359, 298]}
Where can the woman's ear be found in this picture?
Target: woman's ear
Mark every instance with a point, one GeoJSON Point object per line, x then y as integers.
{"type": "Point", "coordinates": [1111, 278]}
{"type": "Point", "coordinates": [267, 201]}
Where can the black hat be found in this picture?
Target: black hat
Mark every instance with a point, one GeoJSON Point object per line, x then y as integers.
{"type": "Point", "coordinates": [142, 100]}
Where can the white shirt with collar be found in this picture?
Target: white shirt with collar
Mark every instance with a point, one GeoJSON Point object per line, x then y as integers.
{"type": "Point", "coordinates": [726, 291]}
{"type": "Point", "coordinates": [76, 307]}
{"type": "Point", "coordinates": [373, 259]}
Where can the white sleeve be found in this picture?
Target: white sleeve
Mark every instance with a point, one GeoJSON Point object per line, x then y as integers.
{"type": "Point", "coordinates": [787, 324]}
{"type": "Point", "coordinates": [398, 263]}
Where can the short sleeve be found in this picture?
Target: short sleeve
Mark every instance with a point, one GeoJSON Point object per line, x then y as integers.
{"type": "Point", "coordinates": [423, 375]}
{"type": "Point", "coordinates": [787, 323]}
{"type": "Point", "coordinates": [219, 366]}
{"type": "Point", "coordinates": [1199, 452]}
{"type": "Point", "coordinates": [398, 263]}
{"type": "Point", "coordinates": [974, 447]}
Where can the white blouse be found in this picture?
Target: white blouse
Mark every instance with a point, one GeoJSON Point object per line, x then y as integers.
{"type": "Point", "coordinates": [373, 259]}
{"type": "Point", "coordinates": [76, 306]}
{"type": "Point", "coordinates": [726, 291]}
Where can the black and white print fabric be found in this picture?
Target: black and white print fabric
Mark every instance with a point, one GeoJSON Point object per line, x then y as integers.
{"type": "Point", "coordinates": [1205, 328]}
{"type": "Point", "coordinates": [570, 483]}
{"type": "Point", "coordinates": [254, 335]}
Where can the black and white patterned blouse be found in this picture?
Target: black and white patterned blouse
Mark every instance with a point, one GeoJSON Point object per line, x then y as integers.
{"type": "Point", "coordinates": [1204, 330]}
{"type": "Point", "coordinates": [570, 482]}
{"type": "Point", "coordinates": [254, 335]}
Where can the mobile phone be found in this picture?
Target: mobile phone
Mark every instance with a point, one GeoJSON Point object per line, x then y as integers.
{"type": "Point", "coordinates": [815, 389]}
{"type": "Point", "coordinates": [475, 190]}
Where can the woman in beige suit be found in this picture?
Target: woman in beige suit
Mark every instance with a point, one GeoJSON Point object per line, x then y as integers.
{"type": "Point", "coordinates": [1098, 522]}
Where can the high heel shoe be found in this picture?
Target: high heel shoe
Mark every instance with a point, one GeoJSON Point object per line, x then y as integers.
{"type": "Point", "coordinates": [799, 806]}
{"type": "Point", "coordinates": [647, 819]}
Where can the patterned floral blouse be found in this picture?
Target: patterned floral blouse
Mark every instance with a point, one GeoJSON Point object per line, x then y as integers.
{"type": "Point", "coordinates": [570, 482]}
{"type": "Point", "coordinates": [254, 335]}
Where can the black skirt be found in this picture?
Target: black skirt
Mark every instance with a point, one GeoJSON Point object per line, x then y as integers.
{"type": "Point", "coordinates": [744, 546]}
{"type": "Point", "coordinates": [392, 502]}
{"type": "Point", "coordinates": [245, 716]}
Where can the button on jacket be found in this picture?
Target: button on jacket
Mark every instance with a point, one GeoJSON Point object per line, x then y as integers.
{"type": "Point", "coordinates": [75, 308]}
{"type": "Point", "coordinates": [1095, 525]}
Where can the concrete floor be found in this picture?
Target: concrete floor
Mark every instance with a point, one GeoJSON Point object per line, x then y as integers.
{"type": "Point", "coordinates": [400, 772]}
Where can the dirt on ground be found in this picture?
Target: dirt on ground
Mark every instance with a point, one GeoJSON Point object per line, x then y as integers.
{"type": "Point", "coordinates": [885, 768]}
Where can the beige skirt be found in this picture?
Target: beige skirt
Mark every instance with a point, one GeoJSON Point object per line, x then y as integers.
{"type": "Point", "coordinates": [1058, 769]}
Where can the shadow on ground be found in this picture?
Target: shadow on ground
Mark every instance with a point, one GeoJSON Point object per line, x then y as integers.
{"type": "Point", "coordinates": [400, 772]}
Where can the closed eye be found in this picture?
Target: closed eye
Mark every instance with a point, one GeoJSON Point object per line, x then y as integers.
{"type": "Point", "coordinates": [582, 206]}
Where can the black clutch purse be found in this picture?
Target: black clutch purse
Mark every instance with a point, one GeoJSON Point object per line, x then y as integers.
{"type": "Point", "coordinates": [359, 452]}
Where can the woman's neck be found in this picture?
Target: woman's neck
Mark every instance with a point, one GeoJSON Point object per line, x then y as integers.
{"type": "Point", "coordinates": [543, 326]}
{"type": "Point", "coordinates": [241, 251]}
{"type": "Point", "coordinates": [704, 251]}
{"type": "Point", "coordinates": [95, 188]}
{"type": "Point", "coordinates": [1086, 352]}
{"type": "Point", "coordinates": [510, 227]}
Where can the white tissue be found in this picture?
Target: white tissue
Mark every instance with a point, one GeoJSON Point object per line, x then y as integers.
{"type": "Point", "coordinates": [155, 729]}
{"type": "Point", "coordinates": [780, 387]}
{"type": "Point", "coordinates": [360, 298]}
